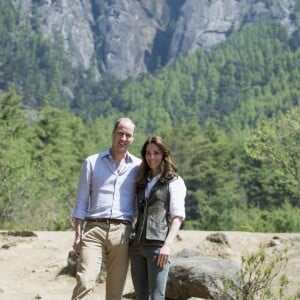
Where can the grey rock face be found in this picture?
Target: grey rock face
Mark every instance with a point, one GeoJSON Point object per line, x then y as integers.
{"type": "Point", "coordinates": [127, 34]}
{"type": "Point", "coordinates": [126, 38]}
{"type": "Point", "coordinates": [71, 19]}
{"type": "Point", "coordinates": [204, 23]}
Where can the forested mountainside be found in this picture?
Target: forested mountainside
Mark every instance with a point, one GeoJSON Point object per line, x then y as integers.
{"type": "Point", "coordinates": [230, 114]}
{"type": "Point", "coordinates": [126, 38]}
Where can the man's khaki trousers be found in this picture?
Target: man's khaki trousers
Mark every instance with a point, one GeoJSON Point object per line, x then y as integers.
{"type": "Point", "coordinates": [103, 239]}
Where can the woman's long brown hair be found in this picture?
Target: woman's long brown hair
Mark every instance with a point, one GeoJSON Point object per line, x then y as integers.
{"type": "Point", "coordinates": [168, 167]}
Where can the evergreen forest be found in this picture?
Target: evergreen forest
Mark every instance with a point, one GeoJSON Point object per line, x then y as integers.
{"type": "Point", "coordinates": [231, 115]}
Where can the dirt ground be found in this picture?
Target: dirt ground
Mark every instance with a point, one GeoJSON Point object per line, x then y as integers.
{"type": "Point", "coordinates": [30, 265]}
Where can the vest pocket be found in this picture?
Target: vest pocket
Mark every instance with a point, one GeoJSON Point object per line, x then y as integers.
{"type": "Point", "coordinates": [156, 230]}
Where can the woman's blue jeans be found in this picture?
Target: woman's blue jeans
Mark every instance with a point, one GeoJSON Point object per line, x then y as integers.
{"type": "Point", "coordinates": [149, 280]}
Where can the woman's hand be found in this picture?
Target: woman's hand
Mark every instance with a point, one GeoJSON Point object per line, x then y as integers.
{"type": "Point", "coordinates": [165, 251]}
{"type": "Point", "coordinates": [164, 254]}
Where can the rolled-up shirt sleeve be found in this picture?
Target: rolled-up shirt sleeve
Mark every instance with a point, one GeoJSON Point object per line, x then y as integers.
{"type": "Point", "coordinates": [177, 191]}
{"type": "Point", "coordinates": [83, 192]}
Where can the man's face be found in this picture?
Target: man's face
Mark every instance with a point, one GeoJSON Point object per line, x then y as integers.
{"type": "Point", "coordinates": [123, 136]}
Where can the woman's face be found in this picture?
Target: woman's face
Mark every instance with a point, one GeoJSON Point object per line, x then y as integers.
{"type": "Point", "coordinates": [154, 157]}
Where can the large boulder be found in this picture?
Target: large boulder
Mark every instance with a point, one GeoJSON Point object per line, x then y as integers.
{"type": "Point", "coordinates": [198, 276]}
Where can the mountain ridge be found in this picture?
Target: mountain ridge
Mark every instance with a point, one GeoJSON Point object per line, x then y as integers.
{"type": "Point", "coordinates": [125, 38]}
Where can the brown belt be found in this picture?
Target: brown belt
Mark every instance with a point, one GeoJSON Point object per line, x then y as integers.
{"type": "Point", "coordinates": [108, 221]}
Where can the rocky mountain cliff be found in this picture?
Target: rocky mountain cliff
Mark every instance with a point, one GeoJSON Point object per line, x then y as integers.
{"type": "Point", "coordinates": [126, 38]}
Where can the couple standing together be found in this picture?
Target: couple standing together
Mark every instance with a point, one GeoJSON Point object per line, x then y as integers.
{"type": "Point", "coordinates": [115, 189]}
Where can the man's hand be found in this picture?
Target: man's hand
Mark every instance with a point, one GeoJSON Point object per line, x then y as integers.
{"type": "Point", "coordinates": [77, 245]}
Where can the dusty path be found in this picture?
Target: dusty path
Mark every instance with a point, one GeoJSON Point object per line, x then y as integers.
{"type": "Point", "coordinates": [29, 265]}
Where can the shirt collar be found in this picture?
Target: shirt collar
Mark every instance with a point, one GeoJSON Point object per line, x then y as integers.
{"type": "Point", "coordinates": [154, 178]}
{"type": "Point", "coordinates": [106, 153]}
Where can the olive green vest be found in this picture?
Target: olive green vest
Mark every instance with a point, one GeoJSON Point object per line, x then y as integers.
{"type": "Point", "coordinates": [153, 214]}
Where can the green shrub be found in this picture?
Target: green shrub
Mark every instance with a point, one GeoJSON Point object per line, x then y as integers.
{"type": "Point", "coordinates": [255, 280]}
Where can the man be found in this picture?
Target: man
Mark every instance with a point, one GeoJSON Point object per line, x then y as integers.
{"type": "Point", "coordinates": [105, 203]}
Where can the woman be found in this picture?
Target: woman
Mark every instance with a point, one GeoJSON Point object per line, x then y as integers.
{"type": "Point", "coordinates": [160, 202]}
